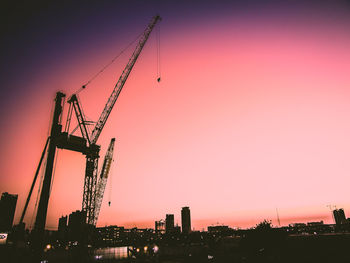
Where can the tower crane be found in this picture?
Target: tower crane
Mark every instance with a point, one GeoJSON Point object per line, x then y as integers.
{"type": "Point", "coordinates": [87, 145]}
{"type": "Point", "coordinates": [92, 154]}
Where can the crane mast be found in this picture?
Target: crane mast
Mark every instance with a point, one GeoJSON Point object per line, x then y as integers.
{"type": "Point", "coordinates": [40, 221]}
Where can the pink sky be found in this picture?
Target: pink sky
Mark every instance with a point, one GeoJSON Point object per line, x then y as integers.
{"type": "Point", "coordinates": [252, 114]}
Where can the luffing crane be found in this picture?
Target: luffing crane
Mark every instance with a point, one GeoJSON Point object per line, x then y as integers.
{"type": "Point", "coordinates": [93, 192]}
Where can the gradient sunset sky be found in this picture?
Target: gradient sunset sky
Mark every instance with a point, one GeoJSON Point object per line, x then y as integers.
{"type": "Point", "coordinates": [252, 113]}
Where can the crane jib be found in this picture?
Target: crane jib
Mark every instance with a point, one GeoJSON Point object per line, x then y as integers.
{"type": "Point", "coordinates": [121, 81]}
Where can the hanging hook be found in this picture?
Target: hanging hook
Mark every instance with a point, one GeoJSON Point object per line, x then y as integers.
{"type": "Point", "coordinates": [158, 54]}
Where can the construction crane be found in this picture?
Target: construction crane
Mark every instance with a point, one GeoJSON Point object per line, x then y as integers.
{"type": "Point", "coordinates": [101, 185]}
{"type": "Point", "coordinates": [121, 81]}
{"type": "Point", "coordinates": [92, 154]}
{"type": "Point", "coordinates": [93, 193]}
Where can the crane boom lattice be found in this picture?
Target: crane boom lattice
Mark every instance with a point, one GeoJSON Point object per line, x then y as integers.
{"type": "Point", "coordinates": [121, 81]}
{"type": "Point", "coordinates": [101, 184]}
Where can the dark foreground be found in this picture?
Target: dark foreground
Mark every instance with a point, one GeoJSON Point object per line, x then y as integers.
{"type": "Point", "coordinates": [258, 247]}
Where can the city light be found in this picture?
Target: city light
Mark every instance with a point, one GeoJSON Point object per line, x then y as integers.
{"type": "Point", "coordinates": [155, 249]}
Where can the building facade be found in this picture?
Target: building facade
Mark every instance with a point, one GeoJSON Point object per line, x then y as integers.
{"type": "Point", "coordinates": [111, 235]}
{"type": "Point", "coordinates": [169, 223]}
{"type": "Point", "coordinates": [62, 227]}
{"type": "Point", "coordinates": [8, 204]}
{"type": "Point", "coordinates": [339, 216]}
{"type": "Point", "coordinates": [186, 220]}
{"type": "Point", "coordinates": [159, 227]}
{"type": "Point", "coordinates": [76, 225]}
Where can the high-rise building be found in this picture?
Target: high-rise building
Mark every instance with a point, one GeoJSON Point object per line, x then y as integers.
{"type": "Point", "coordinates": [169, 223]}
{"type": "Point", "coordinates": [186, 220]}
{"type": "Point", "coordinates": [339, 216]}
{"type": "Point", "coordinates": [7, 211]}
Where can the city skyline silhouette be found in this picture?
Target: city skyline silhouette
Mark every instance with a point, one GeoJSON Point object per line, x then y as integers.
{"type": "Point", "coordinates": [251, 113]}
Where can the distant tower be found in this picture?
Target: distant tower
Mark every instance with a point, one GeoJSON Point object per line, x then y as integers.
{"type": "Point", "coordinates": [7, 211]}
{"type": "Point", "coordinates": [169, 223]}
{"type": "Point", "coordinates": [186, 220]}
{"type": "Point", "coordinates": [339, 216]}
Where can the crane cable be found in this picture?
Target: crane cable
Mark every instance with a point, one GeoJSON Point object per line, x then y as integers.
{"type": "Point", "coordinates": [37, 197]}
{"type": "Point", "coordinates": [158, 53]}
{"type": "Point", "coordinates": [108, 64]}
{"type": "Point", "coordinates": [54, 171]}
{"type": "Point", "coordinates": [42, 173]}
{"type": "Point", "coordinates": [110, 184]}
{"type": "Point", "coordinates": [40, 186]}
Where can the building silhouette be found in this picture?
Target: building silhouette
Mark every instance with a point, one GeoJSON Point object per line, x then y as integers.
{"type": "Point", "coordinates": [339, 216]}
{"type": "Point", "coordinates": [76, 225]}
{"type": "Point", "coordinates": [62, 223]}
{"type": "Point", "coordinates": [62, 227]}
{"type": "Point", "coordinates": [177, 229]}
{"type": "Point", "coordinates": [159, 227]}
{"type": "Point", "coordinates": [218, 229]}
{"type": "Point", "coordinates": [186, 220]}
{"type": "Point", "coordinates": [7, 211]}
{"type": "Point", "coordinates": [111, 235]}
{"type": "Point", "coordinates": [169, 223]}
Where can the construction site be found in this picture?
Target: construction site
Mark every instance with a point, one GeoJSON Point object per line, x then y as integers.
{"type": "Point", "coordinates": [61, 137]}
{"type": "Point", "coordinates": [238, 152]}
